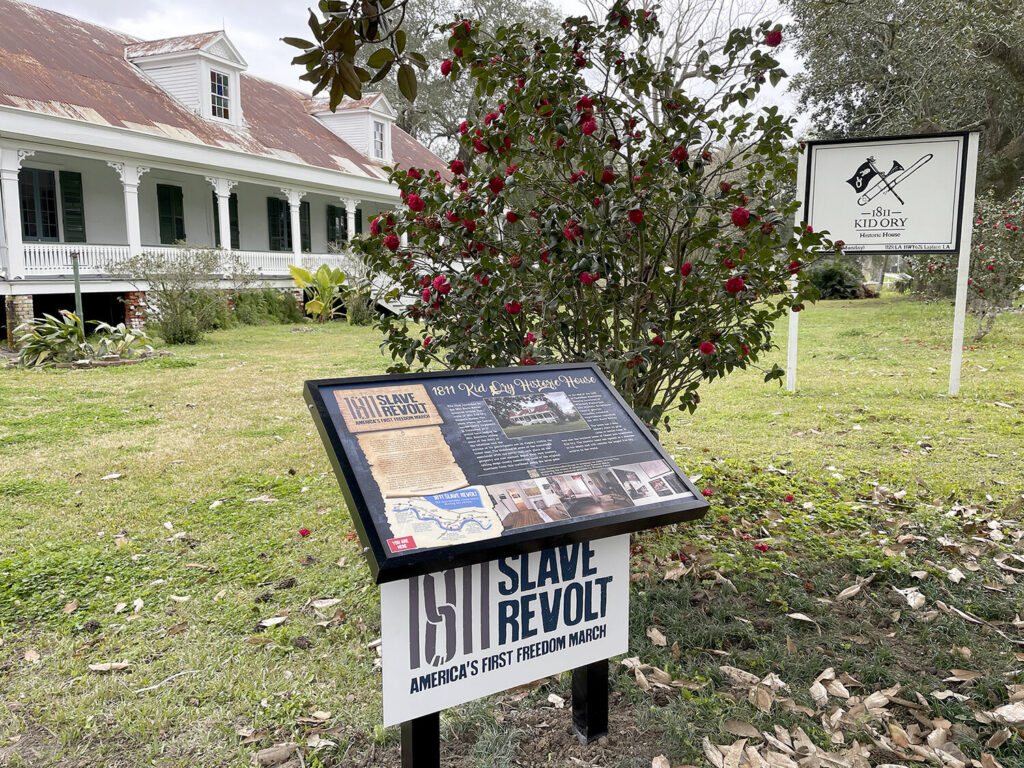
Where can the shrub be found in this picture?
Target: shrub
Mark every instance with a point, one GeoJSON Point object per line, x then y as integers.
{"type": "Point", "coordinates": [47, 340]}
{"type": "Point", "coordinates": [359, 308]}
{"type": "Point", "coordinates": [266, 306]}
{"type": "Point", "coordinates": [183, 290]}
{"type": "Point", "coordinates": [625, 220]}
{"type": "Point", "coordinates": [836, 280]}
{"type": "Point", "coordinates": [997, 262]}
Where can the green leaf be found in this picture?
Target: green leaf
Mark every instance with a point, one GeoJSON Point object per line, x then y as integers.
{"type": "Point", "coordinates": [298, 42]}
{"type": "Point", "coordinates": [400, 40]}
{"type": "Point", "coordinates": [379, 58]}
{"type": "Point", "coordinates": [381, 73]}
{"type": "Point", "coordinates": [407, 82]}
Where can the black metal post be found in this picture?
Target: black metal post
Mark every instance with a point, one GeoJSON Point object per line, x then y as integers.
{"type": "Point", "coordinates": [421, 742]}
{"type": "Point", "coordinates": [590, 701]}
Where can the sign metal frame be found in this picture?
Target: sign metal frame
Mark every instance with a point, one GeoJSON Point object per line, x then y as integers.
{"type": "Point", "coordinates": [387, 566]}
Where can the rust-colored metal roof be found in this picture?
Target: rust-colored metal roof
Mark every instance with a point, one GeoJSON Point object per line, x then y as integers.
{"type": "Point", "coordinates": [324, 105]}
{"type": "Point", "coordinates": [169, 45]}
{"type": "Point", "coordinates": [58, 65]}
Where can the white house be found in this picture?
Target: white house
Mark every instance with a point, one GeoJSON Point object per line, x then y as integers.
{"type": "Point", "coordinates": [111, 146]}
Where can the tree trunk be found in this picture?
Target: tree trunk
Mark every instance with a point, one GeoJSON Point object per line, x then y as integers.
{"type": "Point", "coordinates": [985, 322]}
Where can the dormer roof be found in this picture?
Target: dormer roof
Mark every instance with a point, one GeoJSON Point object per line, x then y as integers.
{"type": "Point", "coordinates": [374, 102]}
{"type": "Point", "coordinates": [215, 44]}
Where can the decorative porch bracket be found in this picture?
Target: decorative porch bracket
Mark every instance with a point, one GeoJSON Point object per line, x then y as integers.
{"type": "Point", "coordinates": [131, 176]}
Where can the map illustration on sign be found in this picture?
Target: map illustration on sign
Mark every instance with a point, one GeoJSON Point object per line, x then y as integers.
{"type": "Point", "coordinates": [899, 195]}
{"type": "Point", "coordinates": [455, 465]}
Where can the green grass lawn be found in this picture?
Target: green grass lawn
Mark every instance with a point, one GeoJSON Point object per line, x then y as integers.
{"type": "Point", "coordinates": [149, 514]}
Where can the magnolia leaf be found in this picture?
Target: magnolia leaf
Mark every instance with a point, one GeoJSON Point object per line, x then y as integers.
{"type": "Point", "coordinates": [657, 637]}
{"type": "Point", "coordinates": [407, 82]}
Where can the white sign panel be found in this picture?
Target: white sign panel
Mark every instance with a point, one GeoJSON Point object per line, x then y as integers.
{"type": "Point", "coordinates": [900, 195]}
{"type": "Point", "coordinates": [457, 635]}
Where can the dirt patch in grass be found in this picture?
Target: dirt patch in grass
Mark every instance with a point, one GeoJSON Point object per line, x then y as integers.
{"type": "Point", "coordinates": [528, 736]}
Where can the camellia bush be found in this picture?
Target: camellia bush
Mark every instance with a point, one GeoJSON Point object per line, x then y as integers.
{"type": "Point", "coordinates": [614, 220]}
{"type": "Point", "coordinates": [996, 276]}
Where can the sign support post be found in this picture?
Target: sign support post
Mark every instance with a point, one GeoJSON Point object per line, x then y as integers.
{"type": "Point", "coordinates": [963, 269]}
{"type": "Point", "coordinates": [421, 742]}
{"type": "Point", "coordinates": [794, 317]}
{"type": "Point", "coordinates": [590, 701]}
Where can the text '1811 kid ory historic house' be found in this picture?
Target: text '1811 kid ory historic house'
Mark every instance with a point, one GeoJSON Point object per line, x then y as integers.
{"type": "Point", "coordinates": [112, 146]}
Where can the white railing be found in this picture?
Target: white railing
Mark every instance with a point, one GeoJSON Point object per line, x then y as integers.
{"type": "Point", "coordinates": [93, 259]}
{"type": "Point", "coordinates": [55, 258]}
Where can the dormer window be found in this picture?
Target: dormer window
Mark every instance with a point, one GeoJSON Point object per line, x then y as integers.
{"type": "Point", "coordinates": [378, 140]}
{"type": "Point", "coordinates": [220, 99]}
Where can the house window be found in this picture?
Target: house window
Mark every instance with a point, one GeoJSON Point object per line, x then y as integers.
{"type": "Point", "coordinates": [279, 225]}
{"type": "Point", "coordinates": [38, 192]}
{"type": "Point", "coordinates": [219, 95]}
{"type": "Point", "coordinates": [171, 212]}
{"type": "Point", "coordinates": [378, 140]}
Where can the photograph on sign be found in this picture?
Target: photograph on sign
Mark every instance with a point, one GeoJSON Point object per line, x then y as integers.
{"type": "Point", "coordinates": [888, 195]}
{"type": "Point", "coordinates": [474, 459]}
{"type": "Point", "coordinates": [454, 636]}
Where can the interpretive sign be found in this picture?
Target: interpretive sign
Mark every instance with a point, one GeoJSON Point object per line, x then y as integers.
{"type": "Point", "coordinates": [455, 468]}
{"type": "Point", "coordinates": [889, 195]}
{"type": "Point", "coordinates": [454, 636]}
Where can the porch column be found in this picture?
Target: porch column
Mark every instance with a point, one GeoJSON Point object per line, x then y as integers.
{"type": "Point", "coordinates": [10, 228]}
{"type": "Point", "coordinates": [350, 216]}
{"type": "Point", "coordinates": [222, 188]}
{"type": "Point", "coordinates": [131, 175]}
{"type": "Point", "coordinates": [294, 201]}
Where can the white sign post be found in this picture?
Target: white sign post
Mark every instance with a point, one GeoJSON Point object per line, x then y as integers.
{"type": "Point", "coordinates": [457, 635]}
{"type": "Point", "coordinates": [903, 195]}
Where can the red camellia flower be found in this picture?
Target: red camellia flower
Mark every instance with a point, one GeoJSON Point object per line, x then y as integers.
{"type": "Point", "coordinates": [707, 348]}
{"type": "Point", "coordinates": [513, 307]}
{"type": "Point", "coordinates": [761, 547]}
{"type": "Point", "coordinates": [458, 167]}
{"type": "Point", "coordinates": [588, 278]}
{"type": "Point", "coordinates": [686, 269]}
{"type": "Point", "coordinates": [442, 285]}
{"type": "Point", "coordinates": [680, 154]}
{"type": "Point", "coordinates": [414, 173]}
{"type": "Point", "coordinates": [728, 263]}
{"type": "Point", "coordinates": [529, 339]}
{"type": "Point", "coordinates": [635, 216]}
{"type": "Point", "coordinates": [469, 224]}
{"type": "Point", "coordinates": [734, 285]}
{"type": "Point", "coordinates": [446, 67]}
{"type": "Point", "coordinates": [572, 230]}
{"type": "Point", "coordinates": [484, 280]}
{"type": "Point", "coordinates": [303, 532]}
{"type": "Point", "coordinates": [767, 228]}
{"type": "Point", "coordinates": [794, 267]}
{"type": "Point", "coordinates": [527, 360]}
{"type": "Point", "coordinates": [726, 187]}
{"type": "Point", "coordinates": [479, 147]}
{"type": "Point", "coordinates": [515, 261]}
{"type": "Point", "coordinates": [607, 176]}
{"type": "Point", "coordinates": [559, 144]}
{"type": "Point", "coordinates": [707, 493]}
{"type": "Point", "coordinates": [425, 295]}
{"type": "Point", "coordinates": [464, 127]}
{"type": "Point", "coordinates": [597, 202]}
{"type": "Point", "coordinates": [657, 341]}
{"type": "Point", "coordinates": [374, 229]}
{"type": "Point", "coordinates": [511, 217]}
{"type": "Point", "coordinates": [740, 217]}
{"type": "Point", "coordinates": [790, 498]}
{"type": "Point", "coordinates": [496, 185]}
{"type": "Point", "coordinates": [510, 169]}
{"type": "Point", "coordinates": [415, 203]}
{"type": "Point", "coordinates": [391, 242]}
{"type": "Point", "coordinates": [585, 105]}
{"type": "Point", "coordinates": [426, 341]}
{"type": "Point", "coordinates": [774, 38]}
{"type": "Point", "coordinates": [588, 127]}
{"type": "Point", "coordinates": [457, 52]}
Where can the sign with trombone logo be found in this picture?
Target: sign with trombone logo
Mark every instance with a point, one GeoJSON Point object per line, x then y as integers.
{"type": "Point", "coordinates": [889, 195]}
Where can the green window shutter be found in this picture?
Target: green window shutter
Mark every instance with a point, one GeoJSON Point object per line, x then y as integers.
{"type": "Point", "coordinates": [216, 220]}
{"type": "Point", "coordinates": [332, 224]}
{"type": "Point", "coordinates": [236, 238]}
{"type": "Point", "coordinates": [307, 239]}
{"type": "Point", "coordinates": [171, 210]}
{"type": "Point", "coordinates": [359, 221]}
{"type": "Point", "coordinates": [72, 205]}
{"type": "Point", "coordinates": [279, 223]}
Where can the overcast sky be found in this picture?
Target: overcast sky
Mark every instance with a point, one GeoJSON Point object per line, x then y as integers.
{"type": "Point", "coordinates": [254, 26]}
